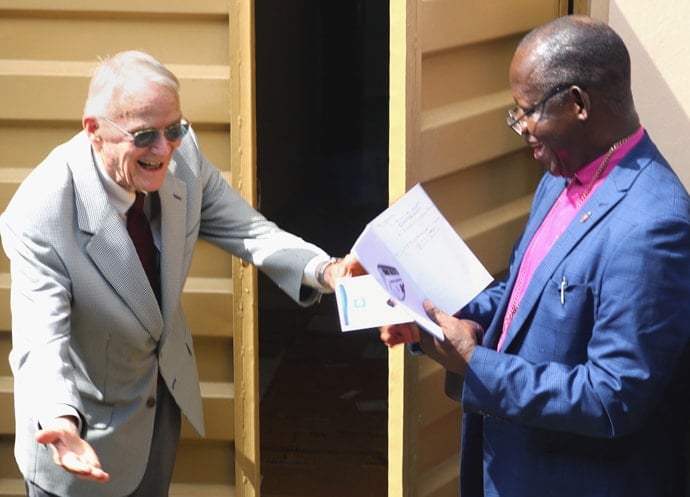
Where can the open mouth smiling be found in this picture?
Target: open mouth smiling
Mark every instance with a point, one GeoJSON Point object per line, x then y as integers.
{"type": "Point", "coordinates": [150, 166]}
{"type": "Point", "coordinates": [537, 149]}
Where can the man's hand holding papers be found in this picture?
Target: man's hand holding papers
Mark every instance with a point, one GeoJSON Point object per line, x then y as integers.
{"type": "Point", "coordinates": [412, 254]}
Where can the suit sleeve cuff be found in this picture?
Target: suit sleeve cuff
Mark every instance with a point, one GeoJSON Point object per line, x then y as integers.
{"type": "Point", "coordinates": [46, 419]}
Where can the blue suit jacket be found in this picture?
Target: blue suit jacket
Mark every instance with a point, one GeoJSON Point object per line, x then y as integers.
{"type": "Point", "coordinates": [589, 396]}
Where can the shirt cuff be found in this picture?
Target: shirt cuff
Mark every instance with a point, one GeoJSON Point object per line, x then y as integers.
{"type": "Point", "coordinates": [309, 276]}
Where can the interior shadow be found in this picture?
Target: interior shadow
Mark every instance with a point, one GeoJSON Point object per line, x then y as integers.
{"type": "Point", "coordinates": [322, 167]}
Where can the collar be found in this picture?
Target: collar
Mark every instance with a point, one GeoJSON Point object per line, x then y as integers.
{"type": "Point", "coordinates": [585, 175]}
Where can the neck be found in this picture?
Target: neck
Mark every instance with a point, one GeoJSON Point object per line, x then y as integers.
{"type": "Point", "coordinates": [610, 141]}
{"type": "Point", "coordinates": [602, 165]}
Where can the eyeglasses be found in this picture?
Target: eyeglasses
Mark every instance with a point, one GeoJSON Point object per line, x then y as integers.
{"type": "Point", "coordinates": [145, 137]}
{"type": "Point", "coordinates": [515, 123]}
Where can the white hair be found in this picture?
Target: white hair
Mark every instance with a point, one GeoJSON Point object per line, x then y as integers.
{"type": "Point", "coordinates": [121, 75]}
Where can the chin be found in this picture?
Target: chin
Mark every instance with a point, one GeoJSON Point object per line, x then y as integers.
{"type": "Point", "coordinates": [557, 170]}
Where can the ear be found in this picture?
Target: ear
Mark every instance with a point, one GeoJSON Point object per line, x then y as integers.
{"type": "Point", "coordinates": [582, 102]}
{"type": "Point", "coordinates": [90, 125]}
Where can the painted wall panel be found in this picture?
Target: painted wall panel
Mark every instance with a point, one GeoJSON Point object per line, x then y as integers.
{"type": "Point", "coordinates": [467, 71]}
{"type": "Point", "coordinates": [83, 36]}
{"type": "Point", "coordinates": [453, 139]}
{"type": "Point", "coordinates": [447, 24]}
{"type": "Point", "coordinates": [48, 50]}
{"type": "Point", "coordinates": [465, 133]}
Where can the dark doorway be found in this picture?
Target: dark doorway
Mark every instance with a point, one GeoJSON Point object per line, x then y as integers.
{"type": "Point", "coordinates": [322, 140]}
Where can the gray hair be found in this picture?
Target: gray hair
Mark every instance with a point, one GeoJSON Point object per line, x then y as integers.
{"type": "Point", "coordinates": [121, 75]}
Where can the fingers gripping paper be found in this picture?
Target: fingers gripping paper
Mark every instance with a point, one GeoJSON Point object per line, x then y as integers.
{"type": "Point", "coordinates": [411, 253]}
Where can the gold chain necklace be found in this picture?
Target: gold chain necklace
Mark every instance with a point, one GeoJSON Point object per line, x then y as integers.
{"type": "Point", "coordinates": [601, 168]}
{"type": "Point", "coordinates": [514, 307]}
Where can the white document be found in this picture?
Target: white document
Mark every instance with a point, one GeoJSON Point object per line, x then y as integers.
{"type": "Point", "coordinates": [415, 254]}
{"type": "Point", "coordinates": [363, 303]}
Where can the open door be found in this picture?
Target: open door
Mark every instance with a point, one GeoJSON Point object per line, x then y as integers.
{"type": "Point", "coordinates": [448, 98]}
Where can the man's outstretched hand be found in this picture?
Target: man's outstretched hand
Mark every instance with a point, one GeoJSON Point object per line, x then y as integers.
{"type": "Point", "coordinates": [70, 451]}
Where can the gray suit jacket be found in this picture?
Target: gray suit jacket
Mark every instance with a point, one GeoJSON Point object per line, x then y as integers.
{"type": "Point", "coordinates": [87, 330]}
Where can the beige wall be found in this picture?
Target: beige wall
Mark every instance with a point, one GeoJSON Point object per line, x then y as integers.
{"type": "Point", "coordinates": [48, 49]}
{"type": "Point", "coordinates": [659, 42]}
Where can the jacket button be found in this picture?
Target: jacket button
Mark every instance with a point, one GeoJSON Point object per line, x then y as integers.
{"type": "Point", "coordinates": [150, 402]}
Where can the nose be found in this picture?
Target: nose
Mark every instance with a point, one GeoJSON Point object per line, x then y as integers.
{"type": "Point", "coordinates": [522, 126]}
{"type": "Point", "coordinates": [160, 145]}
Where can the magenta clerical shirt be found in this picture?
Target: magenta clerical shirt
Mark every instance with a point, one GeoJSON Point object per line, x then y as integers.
{"type": "Point", "coordinates": [564, 210]}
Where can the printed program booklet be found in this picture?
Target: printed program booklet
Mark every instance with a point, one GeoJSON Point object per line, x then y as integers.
{"type": "Point", "coordinates": [411, 253]}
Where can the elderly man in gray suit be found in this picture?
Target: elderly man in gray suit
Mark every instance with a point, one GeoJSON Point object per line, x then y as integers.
{"type": "Point", "coordinates": [102, 356]}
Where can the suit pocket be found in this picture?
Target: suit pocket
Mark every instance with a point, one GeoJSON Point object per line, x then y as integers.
{"type": "Point", "coordinates": [574, 319]}
{"type": "Point", "coordinates": [562, 325]}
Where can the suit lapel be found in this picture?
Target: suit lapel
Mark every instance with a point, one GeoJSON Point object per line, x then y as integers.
{"type": "Point", "coordinates": [540, 208]}
{"type": "Point", "coordinates": [109, 245]}
{"type": "Point", "coordinates": [597, 207]}
{"type": "Point", "coordinates": [173, 197]}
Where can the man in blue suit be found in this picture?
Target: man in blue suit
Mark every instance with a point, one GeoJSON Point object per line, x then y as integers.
{"type": "Point", "coordinates": [574, 370]}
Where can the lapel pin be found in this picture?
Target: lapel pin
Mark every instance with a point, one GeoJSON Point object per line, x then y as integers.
{"type": "Point", "coordinates": [585, 216]}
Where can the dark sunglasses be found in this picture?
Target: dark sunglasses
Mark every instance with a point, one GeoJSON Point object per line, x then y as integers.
{"type": "Point", "coordinates": [145, 137]}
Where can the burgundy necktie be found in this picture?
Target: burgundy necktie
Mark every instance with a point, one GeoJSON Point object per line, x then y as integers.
{"type": "Point", "coordinates": [140, 231]}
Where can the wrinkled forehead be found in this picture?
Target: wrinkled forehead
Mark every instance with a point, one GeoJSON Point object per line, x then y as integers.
{"type": "Point", "coordinates": [144, 98]}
